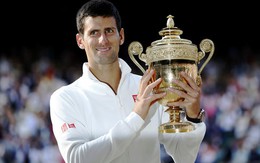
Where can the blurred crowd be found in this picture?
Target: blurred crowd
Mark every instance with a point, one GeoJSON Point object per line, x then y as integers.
{"type": "Point", "coordinates": [231, 98]}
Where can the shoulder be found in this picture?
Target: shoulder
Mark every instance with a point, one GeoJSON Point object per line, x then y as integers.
{"type": "Point", "coordinates": [66, 91]}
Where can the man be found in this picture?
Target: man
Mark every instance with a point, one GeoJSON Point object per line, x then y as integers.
{"type": "Point", "coordinates": [110, 115]}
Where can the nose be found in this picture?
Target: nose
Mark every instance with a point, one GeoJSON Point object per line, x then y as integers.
{"type": "Point", "coordinates": [103, 38]}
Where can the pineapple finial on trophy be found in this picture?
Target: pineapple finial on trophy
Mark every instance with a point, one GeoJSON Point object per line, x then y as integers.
{"type": "Point", "coordinates": [170, 22]}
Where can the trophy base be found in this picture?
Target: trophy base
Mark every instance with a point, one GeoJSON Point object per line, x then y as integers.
{"type": "Point", "coordinates": [176, 127]}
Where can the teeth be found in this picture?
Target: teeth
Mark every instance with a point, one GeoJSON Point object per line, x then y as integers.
{"type": "Point", "coordinates": [103, 49]}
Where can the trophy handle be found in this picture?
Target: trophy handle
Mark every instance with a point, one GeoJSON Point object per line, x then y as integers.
{"type": "Point", "coordinates": [206, 46]}
{"type": "Point", "coordinates": [135, 48]}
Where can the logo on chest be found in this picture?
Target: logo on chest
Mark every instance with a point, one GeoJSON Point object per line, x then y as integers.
{"type": "Point", "coordinates": [134, 97]}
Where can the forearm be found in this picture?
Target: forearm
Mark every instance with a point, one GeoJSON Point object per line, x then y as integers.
{"type": "Point", "coordinates": [78, 146]}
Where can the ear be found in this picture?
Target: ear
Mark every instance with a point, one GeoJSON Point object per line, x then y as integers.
{"type": "Point", "coordinates": [79, 41]}
{"type": "Point", "coordinates": [122, 36]}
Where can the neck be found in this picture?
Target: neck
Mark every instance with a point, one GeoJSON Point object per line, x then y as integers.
{"type": "Point", "coordinates": [109, 74]}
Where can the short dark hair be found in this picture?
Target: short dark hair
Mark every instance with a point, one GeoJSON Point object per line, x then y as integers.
{"type": "Point", "coordinates": [97, 8]}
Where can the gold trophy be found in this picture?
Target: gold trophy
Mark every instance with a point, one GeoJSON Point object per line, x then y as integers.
{"type": "Point", "coordinates": [169, 56]}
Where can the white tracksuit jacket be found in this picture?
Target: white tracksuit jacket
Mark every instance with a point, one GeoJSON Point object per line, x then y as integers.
{"type": "Point", "coordinates": [94, 125]}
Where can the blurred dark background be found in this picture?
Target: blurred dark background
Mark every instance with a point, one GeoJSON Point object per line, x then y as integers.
{"type": "Point", "coordinates": [38, 54]}
{"type": "Point", "coordinates": [49, 24]}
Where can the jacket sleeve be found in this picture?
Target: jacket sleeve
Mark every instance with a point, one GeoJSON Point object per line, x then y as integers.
{"type": "Point", "coordinates": [184, 147]}
{"type": "Point", "coordinates": [75, 142]}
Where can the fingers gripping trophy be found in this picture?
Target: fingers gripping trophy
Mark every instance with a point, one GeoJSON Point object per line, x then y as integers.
{"type": "Point", "coordinates": [168, 57]}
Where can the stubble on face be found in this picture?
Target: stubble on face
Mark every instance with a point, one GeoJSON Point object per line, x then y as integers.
{"type": "Point", "coordinates": [101, 48]}
{"type": "Point", "coordinates": [108, 57]}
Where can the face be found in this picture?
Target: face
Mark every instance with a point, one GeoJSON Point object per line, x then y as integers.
{"type": "Point", "coordinates": [101, 40]}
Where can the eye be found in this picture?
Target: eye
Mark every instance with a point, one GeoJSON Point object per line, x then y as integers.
{"type": "Point", "coordinates": [109, 30]}
{"type": "Point", "coordinates": [94, 33]}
